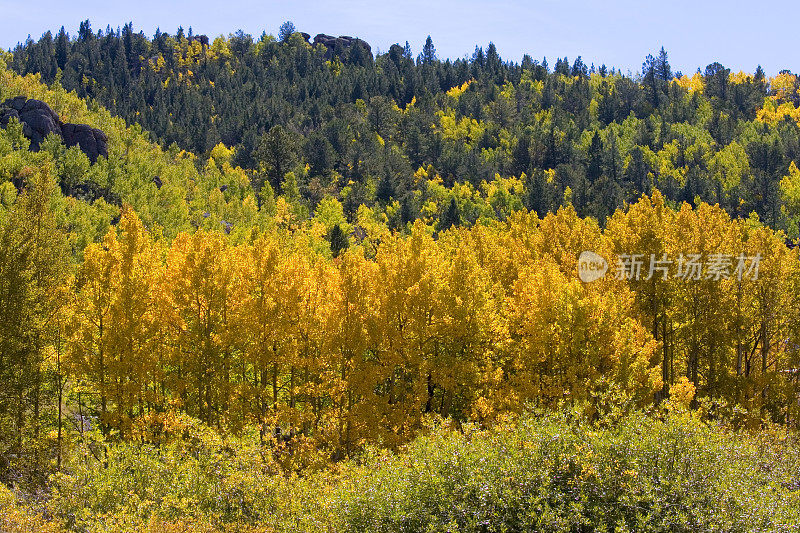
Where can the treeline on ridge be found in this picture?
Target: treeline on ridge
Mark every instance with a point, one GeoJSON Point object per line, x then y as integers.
{"type": "Point", "coordinates": [358, 127]}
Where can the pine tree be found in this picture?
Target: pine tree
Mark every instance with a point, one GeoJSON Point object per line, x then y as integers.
{"type": "Point", "coordinates": [662, 68]}
{"type": "Point", "coordinates": [451, 216]}
{"type": "Point", "coordinates": [428, 55]}
{"type": "Point", "coordinates": [275, 154]}
{"type": "Point", "coordinates": [62, 48]}
{"type": "Point", "coordinates": [595, 167]}
{"type": "Point", "coordinates": [385, 191]}
{"type": "Point", "coordinates": [286, 30]}
{"type": "Point", "coordinates": [339, 240]}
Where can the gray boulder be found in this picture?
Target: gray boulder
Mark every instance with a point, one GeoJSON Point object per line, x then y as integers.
{"type": "Point", "coordinates": [39, 120]}
{"type": "Point", "coordinates": [202, 39]}
{"type": "Point", "coordinates": [16, 103]}
{"type": "Point", "coordinates": [344, 42]}
{"type": "Point", "coordinates": [91, 141]}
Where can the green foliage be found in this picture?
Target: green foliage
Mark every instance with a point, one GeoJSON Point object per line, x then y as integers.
{"type": "Point", "coordinates": [545, 472]}
{"type": "Point", "coordinates": [551, 472]}
{"type": "Point", "coordinates": [361, 126]}
{"type": "Point", "coordinates": [287, 29]}
{"type": "Point", "coordinates": [200, 478]}
{"type": "Point", "coordinates": [33, 268]}
{"type": "Point", "coordinates": [450, 217]}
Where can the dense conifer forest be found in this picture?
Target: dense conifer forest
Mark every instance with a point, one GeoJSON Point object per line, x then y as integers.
{"type": "Point", "coordinates": [287, 284]}
{"type": "Point", "coordinates": [359, 128]}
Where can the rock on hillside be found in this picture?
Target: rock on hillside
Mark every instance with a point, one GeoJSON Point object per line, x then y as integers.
{"type": "Point", "coordinates": [39, 120]}
{"type": "Point", "coordinates": [344, 41]}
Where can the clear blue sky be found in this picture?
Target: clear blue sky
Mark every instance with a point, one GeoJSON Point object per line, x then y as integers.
{"type": "Point", "coordinates": [740, 35]}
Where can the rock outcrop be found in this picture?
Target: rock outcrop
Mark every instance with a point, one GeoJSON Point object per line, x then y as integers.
{"type": "Point", "coordinates": [396, 52]}
{"type": "Point", "coordinates": [39, 120]}
{"type": "Point", "coordinates": [91, 141]}
{"type": "Point", "coordinates": [202, 39]}
{"type": "Point", "coordinates": [343, 42]}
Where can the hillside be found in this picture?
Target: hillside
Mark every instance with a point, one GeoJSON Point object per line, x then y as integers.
{"type": "Point", "coordinates": [284, 285]}
{"type": "Point", "coordinates": [358, 127]}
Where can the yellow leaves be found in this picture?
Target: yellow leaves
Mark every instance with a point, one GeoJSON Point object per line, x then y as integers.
{"type": "Point", "coordinates": [564, 235]}
{"type": "Point", "coordinates": [470, 322]}
{"type": "Point", "coordinates": [784, 86]}
{"type": "Point", "coordinates": [219, 48]}
{"type": "Point", "coordinates": [456, 92]}
{"type": "Point", "coordinates": [740, 77]}
{"type": "Point", "coordinates": [693, 84]}
{"type": "Point", "coordinates": [157, 63]}
{"type": "Point", "coordinates": [730, 165]}
{"type": "Point", "coordinates": [790, 189]}
{"type": "Point", "coordinates": [636, 371]}
{"type": "Point", "coordinates": [284, 217]}
{"type": "Point", "coordinates": [221, 154]}
{"type": "Point", "coordinates": [335, 66]}
{"type": "Point", "coordinates": [466, 130]}
{"type": "Point", "coordinates": [426, 173]}
{"type": "Point", "coordinates": [567, 337]}
{"type": "Point", "coordinates": [668, 158]}
{"type": "Point", "coordinates": [112, 324]}
{"type": "Point", "coordinates": [682, 392]}
{"type": "Point", "coordinates": [482, 410]}
{"type": "Point", "coordinates": [773, 112]}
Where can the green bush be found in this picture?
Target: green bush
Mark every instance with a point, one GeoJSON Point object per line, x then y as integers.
{"type": "Point", "coordinates": [544, 472]}
{"type": "Point", "coordinates": [552, 473]}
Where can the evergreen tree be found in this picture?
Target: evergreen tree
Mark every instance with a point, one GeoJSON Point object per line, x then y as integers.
{"type": "Point", "coordinates": [663, 70]}
{"type": "Point", "coordinates": [386, 190]}
{"type": "Point", "coordinates": [62, 48]}
{"type": "Point", "coordinates": [451, 216]}
{"type": "Point", "coordinates": [286, 30]}
{"type": "Point", "coordinates": [339, 240]}
{"type": "Point", "coordinates": [275, 154]}
{"type": "Point", "coordinates": [428, 55]}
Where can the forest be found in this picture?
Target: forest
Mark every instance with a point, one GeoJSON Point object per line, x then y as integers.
{"type": "Point", "coordinates": [358, 128]}
{"type": "Point", "coordinates": [303, 287]}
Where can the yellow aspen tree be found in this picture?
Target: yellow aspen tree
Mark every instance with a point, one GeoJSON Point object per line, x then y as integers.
{"type": "Point", "coordinates": [351, 375]}
{"type": "Point", "coordinates": [199, 281]}
{"type": "Point", "coordinates": [645, 228]}
{"type": "Point", "coordinates": [259, 326]}
{"type": "Point", "coordinates": [470, 334]}
{"type": "Point", "coordinates": [409, 286]}
{"type": "Point", "coordinates": [704, 304]}
{"type": "Point", "coordinates": [88, 354]}
{"type": "Point", "coordinates": [134, 333]}
{"type": "Point", "coordinates": [570, 341]}
{"type": "Point", "coordinates": [768, 354]}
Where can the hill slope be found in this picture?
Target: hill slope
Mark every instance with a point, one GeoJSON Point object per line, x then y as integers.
{"type": "Point", "coordinates": [358, 127]}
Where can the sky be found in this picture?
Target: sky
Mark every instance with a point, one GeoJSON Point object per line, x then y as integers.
{"type": "Point", "coordinates": [616, 33]}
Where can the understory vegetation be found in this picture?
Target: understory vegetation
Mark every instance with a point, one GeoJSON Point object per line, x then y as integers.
{"type": "Point", "coordinates": [546, 471]}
